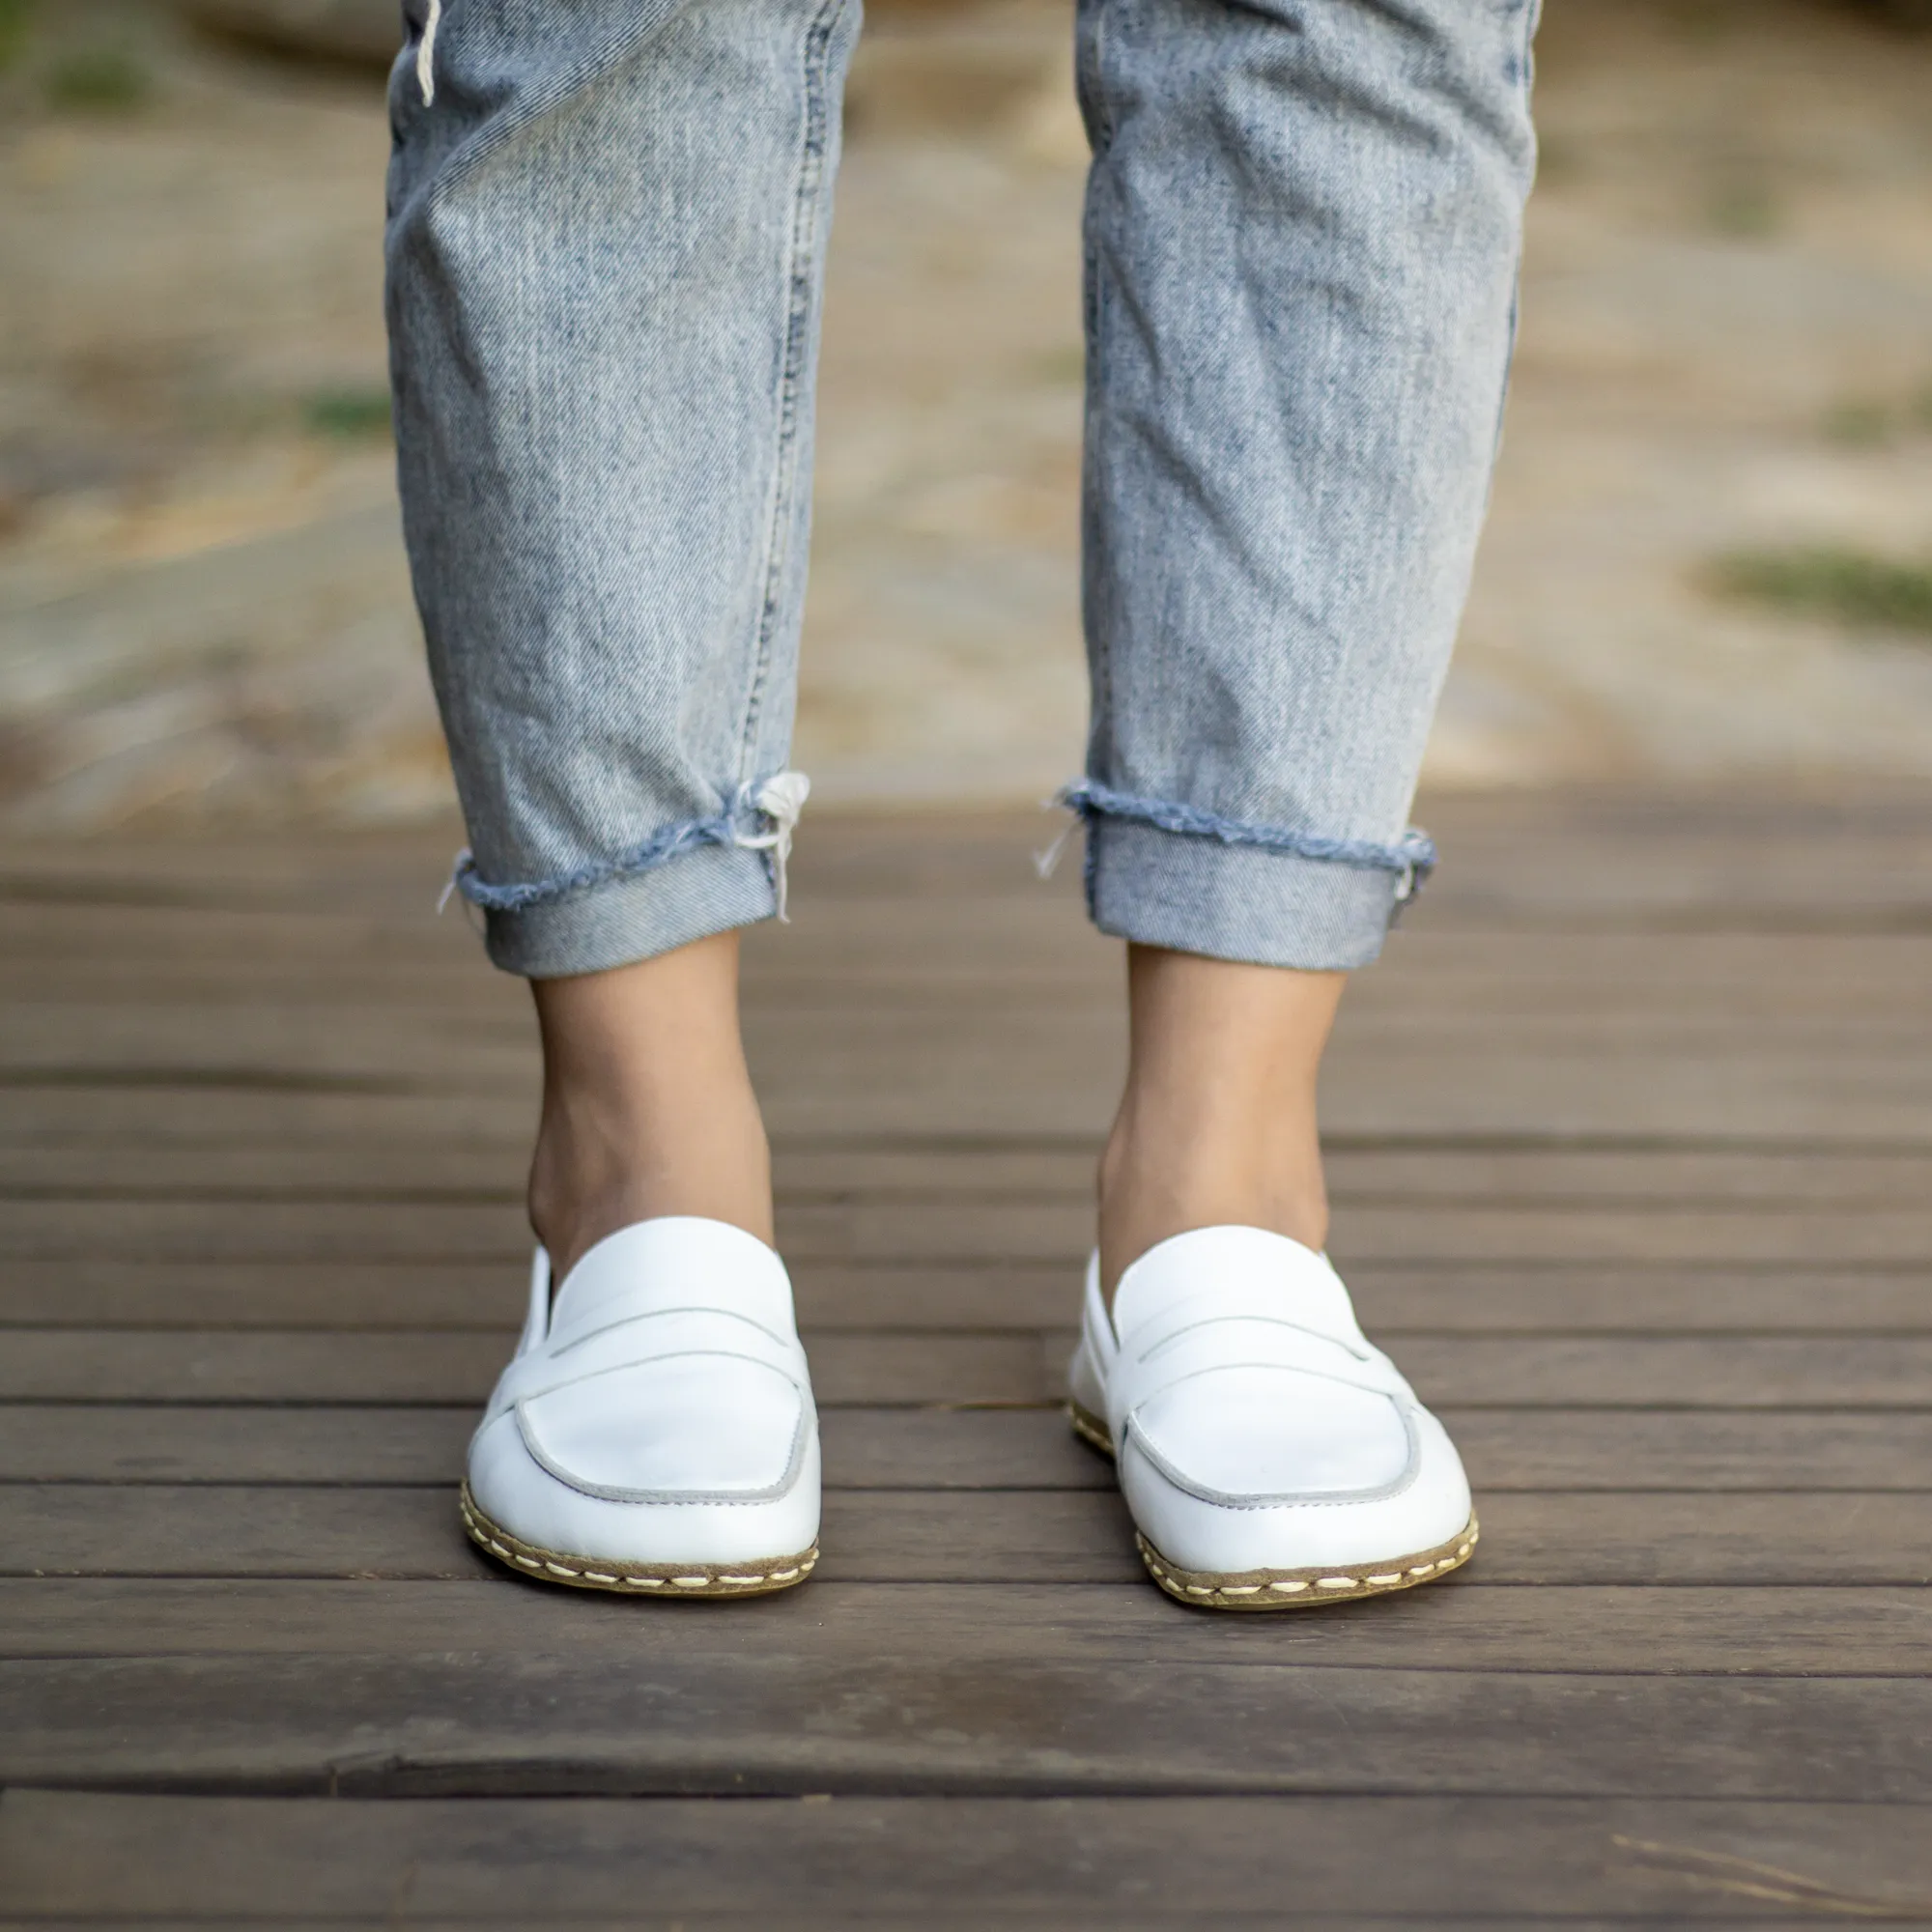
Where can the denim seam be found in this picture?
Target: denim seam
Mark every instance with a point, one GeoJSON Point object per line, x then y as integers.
{"type": "Point", "coordinates": [1100, 651]}
{"type": "Point", "coordinates": [802, 255]}
{"type": "Point", "coordinates": [1532, 12]}
{"type": "Point", "coordinates": [725, 829]}
{"type": "Point", "coordinates": [1090, 56]}
{"type": "Point", "coordinates": [1412, 858]}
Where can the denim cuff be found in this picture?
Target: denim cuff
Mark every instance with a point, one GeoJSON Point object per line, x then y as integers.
{"type": "Point", "coordinates": [1240, 893]}
{"type": "Point", "coordinates": [685, 882]}
{"type": "Point", "coordinates": [633, 916]}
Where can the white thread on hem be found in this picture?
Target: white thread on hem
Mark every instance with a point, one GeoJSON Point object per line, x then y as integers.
{"type": "Point", "coordinates": [780, 799]}
{"type": "Point", "coordinates": [1047, 862]}
{"type": "Point", "coordinates": [426, 55]}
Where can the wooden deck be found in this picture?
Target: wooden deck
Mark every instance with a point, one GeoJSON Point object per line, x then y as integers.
{"type": "Point", "coordinates": [1633, 1161]}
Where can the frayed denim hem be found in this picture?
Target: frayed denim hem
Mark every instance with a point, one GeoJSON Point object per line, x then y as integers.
{"type": "Point", "coordinates": [760, 819]}
{"type": "Point", "coordinates": [731, 872]}
{"type": "Point", "coordinates": [1174, 877]}
{"type": "Point", "coordinates": [1411, 858]}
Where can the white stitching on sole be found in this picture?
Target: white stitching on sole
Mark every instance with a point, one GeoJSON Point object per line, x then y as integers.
{"type": "Point", "coordinates": [1287, 1586]}
{"type": "Point", "coordinates": [722, 1582]}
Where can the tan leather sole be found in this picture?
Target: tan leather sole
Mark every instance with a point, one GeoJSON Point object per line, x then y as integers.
{"type": "Point", "coordinates": [1283, 1589]}
{"type": "Point", "coordinates": [633, 1579]}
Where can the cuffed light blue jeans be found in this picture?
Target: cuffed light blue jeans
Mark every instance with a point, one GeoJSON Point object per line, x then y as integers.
{"type": "Point", "coordinates": [607, 234]}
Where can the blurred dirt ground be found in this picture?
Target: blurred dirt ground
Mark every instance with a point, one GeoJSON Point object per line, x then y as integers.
{"type": "Point", "coordinates": [1726, 348]}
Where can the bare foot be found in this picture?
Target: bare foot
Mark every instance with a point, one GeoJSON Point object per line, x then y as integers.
{"type": "Point", "coordinates": [648, 1104]}
{"type": "Point", "coordinates": [1217, 1121]}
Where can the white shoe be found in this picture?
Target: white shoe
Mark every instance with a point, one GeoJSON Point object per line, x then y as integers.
{"type": "Point", "coordinates": [654, 1432]}
{"type": "Point", "coordinates": [1271, 1456]}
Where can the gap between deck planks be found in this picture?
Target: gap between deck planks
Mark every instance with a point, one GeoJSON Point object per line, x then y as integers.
{"type": "Point", "coordinates": [1121, 1862]}
{"type": "Point", "coordinates": [1628, 1629]}
{"type": "Point", "coordinates": [912, 1719]}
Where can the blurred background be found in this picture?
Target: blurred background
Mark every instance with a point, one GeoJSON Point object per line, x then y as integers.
{"type": "Point", "coordinates": [1711, 552]}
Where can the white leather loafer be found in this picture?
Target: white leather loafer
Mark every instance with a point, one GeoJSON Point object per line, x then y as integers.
{"type": "Point", "coordinates": [654, 1433]}
{"type": "Point", "coordinates": [1271, 1457]}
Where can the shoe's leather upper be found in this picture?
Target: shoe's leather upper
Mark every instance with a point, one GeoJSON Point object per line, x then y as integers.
{"type": "Point", "coordinates": [1256, 1427]}
{"type": "Point", "coordinates": [659, 1407]}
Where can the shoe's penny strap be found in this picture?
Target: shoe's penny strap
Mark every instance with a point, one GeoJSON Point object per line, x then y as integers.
{"type": "Point", "coordinates": [1222, 1328]}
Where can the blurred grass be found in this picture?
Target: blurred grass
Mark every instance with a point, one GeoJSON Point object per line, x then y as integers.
{"type": "Point", "coordinates": [347, 414]}
{"type": "Point", "coordinates": [99, 79]}
{"type": "Point", "coordinates": [15, 18]}
{"type": "Point", "coordinates": [1866, 422]}
{"type": "Point", "coordinates": [1858, 425]}
{"type": "Point", "coordinates": [1851, 587]}
{"type": "Point", "coordinates": [1745, 210]}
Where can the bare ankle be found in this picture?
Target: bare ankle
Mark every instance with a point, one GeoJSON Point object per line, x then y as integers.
{"type": "Point", "coordinates": [1153, 1186]}
{"type": "Point", "coordinates": [648, 1108]}
{"type": "Point", "coordinates": [1217, 1122]}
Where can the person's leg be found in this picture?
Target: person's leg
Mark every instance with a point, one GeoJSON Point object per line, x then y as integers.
{"type": "Point", "coordinates": [607, 228]}
{"type": "Point", "coordinates": [1302, 234]}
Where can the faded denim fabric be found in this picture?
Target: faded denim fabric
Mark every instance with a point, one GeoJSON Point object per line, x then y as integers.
{"type": "Point", "coordinates": [606, 233]}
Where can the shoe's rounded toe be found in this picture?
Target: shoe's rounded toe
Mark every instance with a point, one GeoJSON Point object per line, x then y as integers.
{"type": "Point", "coordinates": [653, 1466]}
{"type": "Point", "coordinates": [1256, 1471]}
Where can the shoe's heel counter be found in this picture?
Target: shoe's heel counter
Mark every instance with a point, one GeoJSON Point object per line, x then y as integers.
{"type": "Point", "coordinates": [1083, 1387]}
{"type": "Point", "coordinates": [1087, 1372]}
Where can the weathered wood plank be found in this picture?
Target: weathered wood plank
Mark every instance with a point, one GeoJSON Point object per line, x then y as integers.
{"type": "Point", "coordinates": [875, 1074]}
{"type": "Point", "coordinates": [461, 1366]}
{"type": "Point", "coordinates": [929, 1919]}
{"type": "Point", "coordinates": [1084, 1861]}
{"type": "Point", "coordinates": [1470, 1299]}
{"type": "Point", "coordinates": [218, 1222]}
{"type": "Point", "coordinates": [1628, 1631]}
{"type": "Point", "coordinates": [186, 1104]}
{"type": "Point", "coordinates": [1054, 1536]}
{"type": "Point", "coordinates": [162, 1112]}
{"type": "Point", "coordinates": [938, 1448]}
{"type": "Point", "coordinates": [111, 1162]}
{"type": "Point", "coordinates": [761, 1722]}
{"type": "Point", "coordinates": [482, 1046]}
{"type": "Point", "coordinates": [456, 1366]}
